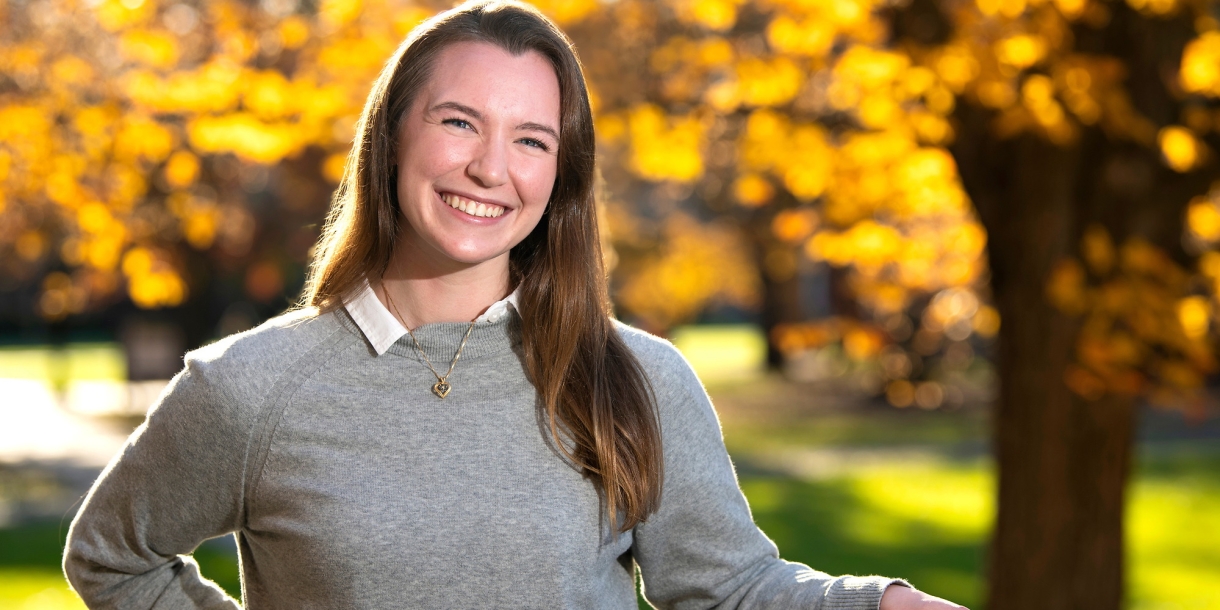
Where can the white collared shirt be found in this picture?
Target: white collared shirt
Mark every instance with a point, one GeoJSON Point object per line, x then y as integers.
{"type": "Point", "coordinates": [382, 329]}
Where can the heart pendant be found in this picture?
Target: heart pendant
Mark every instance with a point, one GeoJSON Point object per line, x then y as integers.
{"type": "Point", "coordinates": [441, 388]}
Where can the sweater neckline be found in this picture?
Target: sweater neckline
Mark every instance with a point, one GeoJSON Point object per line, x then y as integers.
{"type": "Point", "coordinates": [440, 340]}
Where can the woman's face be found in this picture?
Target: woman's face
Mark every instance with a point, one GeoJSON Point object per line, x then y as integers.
{"type": "Point", "coordinates": [477, 155]}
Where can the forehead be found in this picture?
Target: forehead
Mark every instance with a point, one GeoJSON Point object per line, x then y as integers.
{"type": "Point", "coordinates": [491, 80]}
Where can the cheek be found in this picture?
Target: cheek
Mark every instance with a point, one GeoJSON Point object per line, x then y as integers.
{"type": "Point", "coordinates": [427, 159]}
{"type": "Point", "coordinates": [538, 183]}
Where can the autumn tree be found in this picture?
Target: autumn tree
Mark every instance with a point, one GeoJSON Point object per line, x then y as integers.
{"type": "Point", "coordinates": [1082, 131]}
{"type": "Point", "coordinates": [176, 154]}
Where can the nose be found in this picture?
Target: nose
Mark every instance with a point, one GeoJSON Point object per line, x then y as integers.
{"type": "Point", "coordinates": [489, 167]}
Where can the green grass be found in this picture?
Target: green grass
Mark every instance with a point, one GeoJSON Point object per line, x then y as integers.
{"type": "Point", "coordinates": [929, 522]}
{"type": "Point", "coordinates": [1173, 530]}
{"type": "Point", "coordinates": [748, 435]}
{"type": "Point", "coordinates": [926, 523]}
{"type": "Point", "coordinates": [36, 589]}
{"type": "Point", "coordinates": [83, 361]}
{"type": "Point", "coordinates": [30, 573]}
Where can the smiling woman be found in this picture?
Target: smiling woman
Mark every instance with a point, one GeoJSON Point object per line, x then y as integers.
{"type": "Point", "coordinates": [556, 452]}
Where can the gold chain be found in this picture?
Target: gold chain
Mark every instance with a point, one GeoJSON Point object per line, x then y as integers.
{"type": "Point", "coordinates": [442, 387]}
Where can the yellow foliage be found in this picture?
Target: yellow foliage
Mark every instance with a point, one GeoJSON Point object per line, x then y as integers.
{"type": "Point", "coordinates": [697, 264]}
{"type": "Point", "coordinates": [752, 190]}
{"type": "Point", "coordinates": [181, 169]}
{"type": "Point", "coordinates": [762, 82]}
{"type": "Point", "coordinates": [151, 48]}
{"type": "Point", "coordinates": [336, 13]}
{"type": "Point", "coordinates": [811, 36]}
{"type": "Point", "coordinates": [30, 245]}
{"type": "Point", "coordinates": [716, 15]}
{"type": "Point", "coordinates": [151, 281]}
{"type": "Point", "coordinates": [71, 71]}
{"type": "Point", "coordinates": [866, 243]}
{"type": "Point", "coordinates": [956, 66]}
{"type": "Point", "coordinates": [293, 32]}
{"type": "Point", "coordinates": [114, 15]}
{"type": "Point", "coordinates": [1071, 9]}
{"type": "Point", "coordinates": [1021, 51]}
{"type": "Point", "coordinates": [806, 165]}
{"type": "Point", "coordinates": [794, 225]}
{"type": "Point", "coordinates": [567, 11]}
{"type": "Point", "coordinates": [665, 148]}
{"type": "Point", "coordinates": [244, 135]}
{"type": "Point", "coordinates": [333, 167]}
{"type": "Point", "coordinates": [1200, 69]}
{"type": "Point", "coordinates": [268, 95]}
{"type": "Point", "coordinates": [986, 321]}
{"type": "Point", "coordinates": [861, 343]}
{"type": "Point", "coordinates": [1203, 219]}
{"type": "Point", "coordinates": [1098, 250]}
{"type": "Point", "coordinates": [1065, 287]}
{"type": "Point", "coordinates": [1194, 313]}
{"type": "Point", "coordinates": [1154, 7]}
{"type": "Point", "coordinates": [1180, 149]}
{"type": "Point", "coordinates": [214, 87]}
{"type": "Point", "coordinates": [870, 68]}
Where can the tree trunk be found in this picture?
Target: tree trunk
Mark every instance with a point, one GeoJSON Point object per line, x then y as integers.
{"type": "Point", "coordinates": [1063, 464]}
{"type": "Point", "coordinates": [1063, 461]}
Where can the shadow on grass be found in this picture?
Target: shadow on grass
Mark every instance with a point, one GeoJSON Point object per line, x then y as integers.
{"type": "Point", "coordinates": [36, 549]}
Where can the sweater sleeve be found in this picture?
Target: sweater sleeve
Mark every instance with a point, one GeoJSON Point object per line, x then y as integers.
{"type": "Point", "coordinates": [701, 549]}
{"type": "Point", "coordinates": [177, 482]}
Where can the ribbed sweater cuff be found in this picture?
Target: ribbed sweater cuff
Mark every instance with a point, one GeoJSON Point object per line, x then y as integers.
{"type": "Point", "coordinates": [859, 592]}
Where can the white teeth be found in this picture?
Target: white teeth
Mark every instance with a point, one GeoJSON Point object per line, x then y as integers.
{"type": "Point", "coordinates": [473, 208]}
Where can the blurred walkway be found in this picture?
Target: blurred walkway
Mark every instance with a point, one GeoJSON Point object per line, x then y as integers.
{"type": "Point", "coordinates": [37, 425]}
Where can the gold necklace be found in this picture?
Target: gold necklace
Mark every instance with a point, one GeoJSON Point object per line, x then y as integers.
{"type": "Point", "coordinates": [441, 388]}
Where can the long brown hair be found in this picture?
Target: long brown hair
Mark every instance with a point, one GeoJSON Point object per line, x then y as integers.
{"type": "Point", "coordinates": [594, 394]}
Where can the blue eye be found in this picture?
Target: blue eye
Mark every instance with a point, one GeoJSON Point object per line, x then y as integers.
{"type": "Point", "coordinates": [459, 123]}
{"type": "Point", "coordinates": [539, 144]}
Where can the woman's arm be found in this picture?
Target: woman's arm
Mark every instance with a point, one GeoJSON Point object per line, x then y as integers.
{"type": "Point", "coordinates": [702, 548]}
{"type": "Point", "coordinates": [177, 482]}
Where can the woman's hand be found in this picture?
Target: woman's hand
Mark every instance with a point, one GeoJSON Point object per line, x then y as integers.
{"type": "Point", "coordinates": [898, 597]}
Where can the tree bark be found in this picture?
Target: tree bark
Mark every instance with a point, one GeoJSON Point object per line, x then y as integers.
{"type": "Point", "coordinates": [1063, 460]}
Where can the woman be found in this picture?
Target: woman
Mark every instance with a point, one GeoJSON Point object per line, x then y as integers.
{"type": "Point", "coordinates": [454, 420]}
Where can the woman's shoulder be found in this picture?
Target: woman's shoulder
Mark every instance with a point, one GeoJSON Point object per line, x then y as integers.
{"type": "Point", "coordinates": [665, 366]}
{"type": "Point", "coordinates": [293, 332]}
{"type": "Point", "coordinates": [650, 349]}
{"type": "Point", "coordinates": [253, 360]}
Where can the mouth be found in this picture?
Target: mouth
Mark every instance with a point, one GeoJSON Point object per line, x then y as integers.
{"type": "Point", "coordinates": [472, 207]}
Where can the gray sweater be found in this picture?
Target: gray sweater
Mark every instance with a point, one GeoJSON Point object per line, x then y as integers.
{"type": "Point", "coordinates": [349, 484]}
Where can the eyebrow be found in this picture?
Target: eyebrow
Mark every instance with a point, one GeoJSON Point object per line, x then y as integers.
{"type": "Point", "coordinates": [531, 126]}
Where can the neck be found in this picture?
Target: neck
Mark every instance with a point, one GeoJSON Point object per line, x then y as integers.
{"type": "Point", "coordinates": [418, 296]}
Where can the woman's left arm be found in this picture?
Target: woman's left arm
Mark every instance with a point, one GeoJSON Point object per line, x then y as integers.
{"type": "Point", "coordinates": [702, 548]}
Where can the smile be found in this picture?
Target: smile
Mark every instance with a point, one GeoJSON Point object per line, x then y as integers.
{"type": "Point", "coordinates": [474, 208]}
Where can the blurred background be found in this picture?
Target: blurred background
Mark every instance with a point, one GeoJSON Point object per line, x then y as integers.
{"type": "Point", "coordinates": [948, 268]}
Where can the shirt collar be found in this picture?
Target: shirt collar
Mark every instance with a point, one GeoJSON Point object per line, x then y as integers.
{"type": "Point", "coordinates": [382, 329]}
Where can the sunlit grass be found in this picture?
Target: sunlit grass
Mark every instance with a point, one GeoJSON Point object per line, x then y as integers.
{"type": "Point", "coordinates": [76, 361]}
{"type": "Point", "coordinates": [926, 523]}
{"type": "Point", "coordinates": [1173, 531]}
{"type": "Point", "coordinates": [719, 352]}
{"type": "Point", "coordinates": [36, 589]}
{"type": "Point", "coordinates": [930, 523]}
